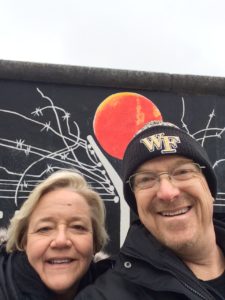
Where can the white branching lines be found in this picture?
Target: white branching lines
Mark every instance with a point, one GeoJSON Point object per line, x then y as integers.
{"type": "Point", "coordinates": [184, 125]}
{"type": "Point", "coordinates": [55, 121]}
{"type": "Point", "coordinates": [204, 134]}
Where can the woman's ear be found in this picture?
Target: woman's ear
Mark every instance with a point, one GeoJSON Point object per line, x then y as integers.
{"type": "Point", "coordinates": [3, 235]}
{"type": "Point", "coordinates": [24, 241]}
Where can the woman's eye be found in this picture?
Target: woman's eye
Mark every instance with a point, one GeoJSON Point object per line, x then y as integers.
{"type": "Point", "coordinates": [79, 227]}
{"type": "Point", "coordinates": [44, 229]}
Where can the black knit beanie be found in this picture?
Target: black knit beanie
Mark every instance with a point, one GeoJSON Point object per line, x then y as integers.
{"type": "Point", "coordinates": [159, 138]}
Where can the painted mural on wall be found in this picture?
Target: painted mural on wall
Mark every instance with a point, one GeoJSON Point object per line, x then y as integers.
{"type": "Point", "coordinates": [47, 127]}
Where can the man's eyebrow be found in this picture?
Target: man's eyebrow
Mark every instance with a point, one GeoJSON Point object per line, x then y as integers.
{"type": "Point", "coordinates": [176, 164]}
{"type": "Point", "coordinates": [182, 161]}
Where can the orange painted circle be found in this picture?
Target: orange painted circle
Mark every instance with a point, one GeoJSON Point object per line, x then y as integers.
{"type": "Point", "coordinates": [119, 117]}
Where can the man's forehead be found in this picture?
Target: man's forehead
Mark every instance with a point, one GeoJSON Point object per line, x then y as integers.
{"type": "Point", "coordinates": [162, 160]}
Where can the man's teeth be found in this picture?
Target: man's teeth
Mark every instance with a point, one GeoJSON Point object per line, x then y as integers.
{"type": "Point", "coordinates": [175, 213]}
{"type": "Point", "coordinates": [60, 261]}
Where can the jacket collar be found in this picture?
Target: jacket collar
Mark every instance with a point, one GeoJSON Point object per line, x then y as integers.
{"type": "Point", "coordinates": [142, 249]}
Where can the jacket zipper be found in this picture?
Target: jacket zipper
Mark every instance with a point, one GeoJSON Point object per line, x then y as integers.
{"type": "Point", "coordinates": [194, 291]}
{"type": "Point", "coordinates": [190, 288]}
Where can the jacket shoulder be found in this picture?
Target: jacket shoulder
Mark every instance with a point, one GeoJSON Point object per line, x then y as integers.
{"type": "Point", "coordinates": [111, 286]}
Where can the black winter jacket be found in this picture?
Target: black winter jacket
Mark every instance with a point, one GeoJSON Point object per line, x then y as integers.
{"type": "Point", "coordinates": [19, 281]}
{"type": "Point", "coordinates": [147, 270]}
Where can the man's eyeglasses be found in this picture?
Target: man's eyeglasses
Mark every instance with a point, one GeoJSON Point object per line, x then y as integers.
{"type": "Point", "coordinates": [148, 179]}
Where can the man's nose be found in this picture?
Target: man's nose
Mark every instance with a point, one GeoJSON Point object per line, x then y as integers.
{"type": "Point", "coordinates": [61, 239]}
{"type": "Point", "coordinates": [167, 190]}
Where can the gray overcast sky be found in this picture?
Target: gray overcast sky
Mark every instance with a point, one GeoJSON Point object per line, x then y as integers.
{"type": "Point", "coordinates": [172, 36]}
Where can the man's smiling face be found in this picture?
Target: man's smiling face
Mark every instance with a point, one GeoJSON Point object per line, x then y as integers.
{"type": "Point", "coordinates": [177, 213]}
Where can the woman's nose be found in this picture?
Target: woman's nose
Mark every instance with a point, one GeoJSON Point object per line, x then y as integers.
{"type": "Point", "coordinates": [61, 239]}
{"type": "Point", "coordinates": [167, 190]}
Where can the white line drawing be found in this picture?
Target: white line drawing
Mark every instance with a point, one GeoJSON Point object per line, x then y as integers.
{"type": "Point", "coordinates": [203, 135]}
{"type": "Point", "coordinates": [52, 121]}
{"type": "Point", "coordinates": [97, 170]}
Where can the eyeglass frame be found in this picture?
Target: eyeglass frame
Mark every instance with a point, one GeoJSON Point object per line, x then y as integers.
{"type": "Point", "coordinates": [198, 171]}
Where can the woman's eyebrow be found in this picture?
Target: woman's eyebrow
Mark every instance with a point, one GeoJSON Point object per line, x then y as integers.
{"type": "Point", "coordinates": [52, 219]}
{"type": "Point", "coordinates": [44, 219]}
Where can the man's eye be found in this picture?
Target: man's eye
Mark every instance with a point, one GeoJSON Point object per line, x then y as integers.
{"type": "Point", "coordinates": [143, 178]}
{"type": "Point", "coordinates": [182, 171]}
{"type": "Point", "coordinates": [147, 178]}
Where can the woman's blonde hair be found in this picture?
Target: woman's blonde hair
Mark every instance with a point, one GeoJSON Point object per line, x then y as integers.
{"type": "Point", "coordinates": [17, 231]}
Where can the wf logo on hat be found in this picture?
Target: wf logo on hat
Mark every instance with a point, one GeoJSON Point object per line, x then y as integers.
{"type": "Point", "coordinates": [160, 141]}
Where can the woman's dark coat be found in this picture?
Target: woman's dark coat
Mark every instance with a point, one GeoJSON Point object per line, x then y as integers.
{"type": "Point", "coordinates": [19, 281]}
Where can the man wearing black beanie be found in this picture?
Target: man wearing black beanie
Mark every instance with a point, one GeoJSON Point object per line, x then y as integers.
{"type": "Point", "coordinates": [175, 250]}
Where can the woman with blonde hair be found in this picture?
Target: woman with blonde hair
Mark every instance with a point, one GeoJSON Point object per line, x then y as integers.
{"type": "Point", "coordinates": [52, 240]}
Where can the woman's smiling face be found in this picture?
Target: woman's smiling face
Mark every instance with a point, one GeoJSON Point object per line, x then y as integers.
{"type": "Point", "coordinates": [60, 239]}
